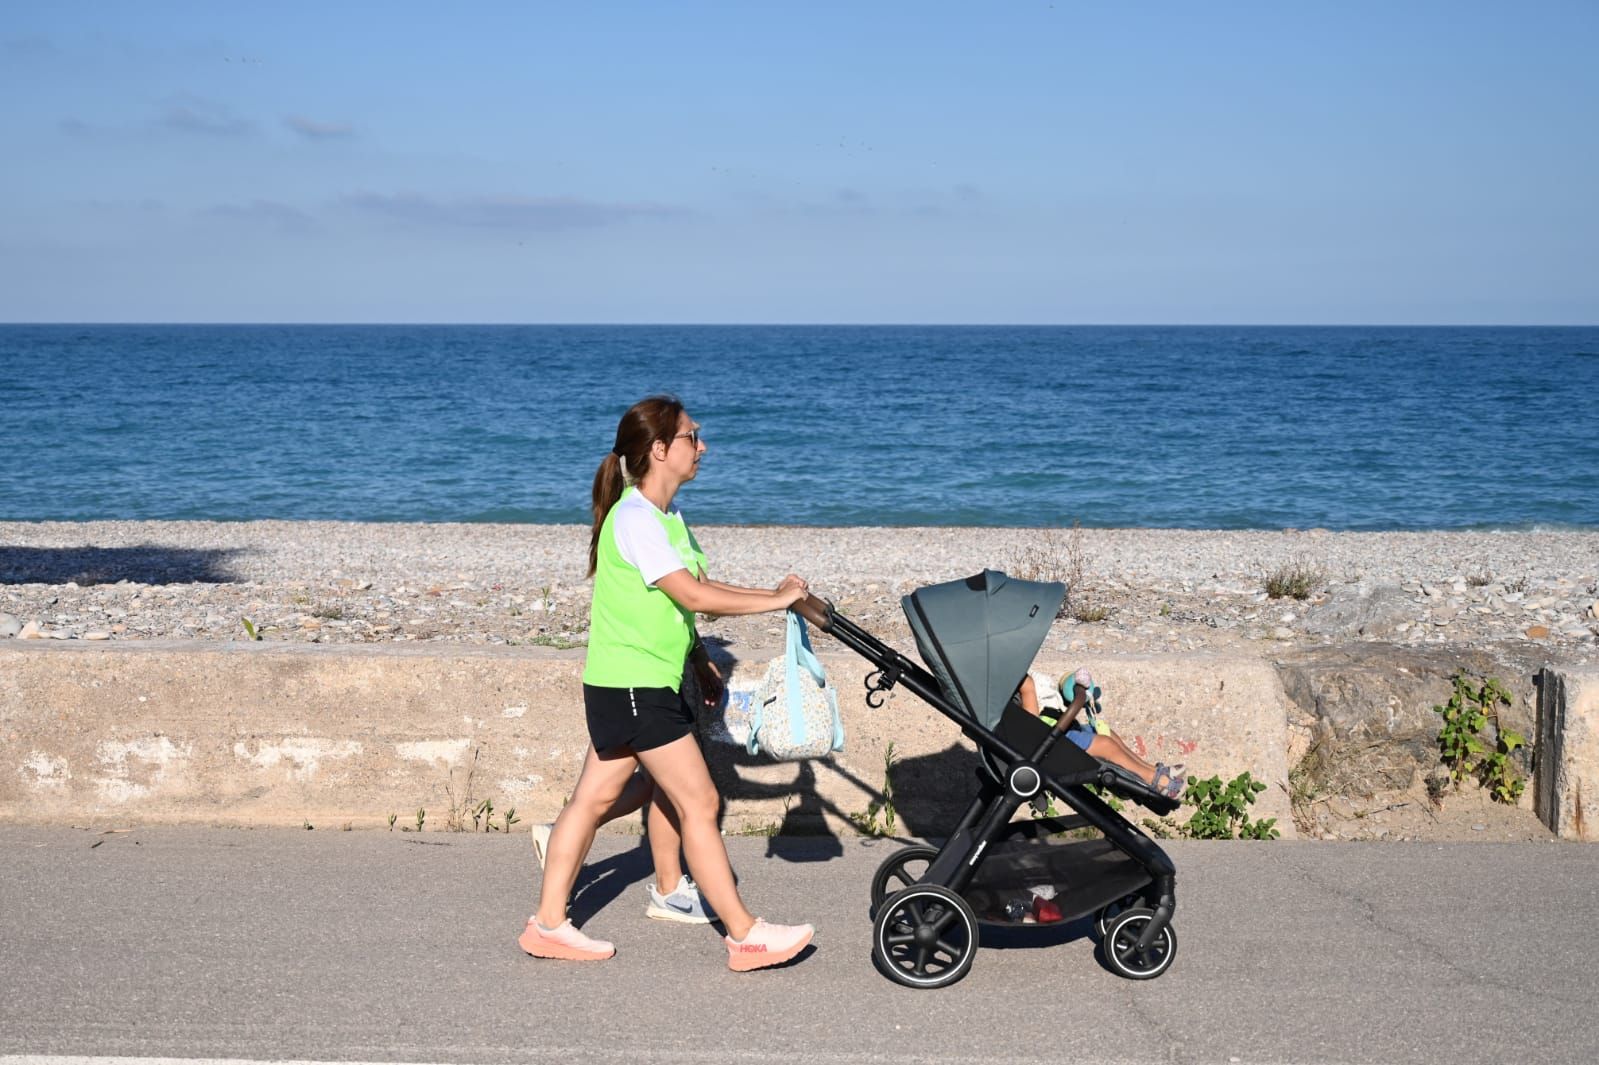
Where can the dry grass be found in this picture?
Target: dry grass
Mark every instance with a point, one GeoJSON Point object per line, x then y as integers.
{"type": "Point", "coordinates": [1294, 581]}
{"type": "Point", "coordinates": [1059, 555]}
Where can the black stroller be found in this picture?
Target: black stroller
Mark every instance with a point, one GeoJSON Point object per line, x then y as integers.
{"type": "Point", "coordinates": [979, 635]}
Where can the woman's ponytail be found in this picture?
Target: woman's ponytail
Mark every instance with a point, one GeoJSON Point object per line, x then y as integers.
{"type": "Point", "coordinates": [647, 421]}
{"type": "Point", "coordinates": [608, 485]}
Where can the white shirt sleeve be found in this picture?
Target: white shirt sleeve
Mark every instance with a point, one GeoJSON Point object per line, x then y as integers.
{"type": "Point", "coordinates": [643, 544]}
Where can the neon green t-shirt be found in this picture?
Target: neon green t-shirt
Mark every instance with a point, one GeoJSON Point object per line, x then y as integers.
{"type": "Point", "coordinates": [638, 636]}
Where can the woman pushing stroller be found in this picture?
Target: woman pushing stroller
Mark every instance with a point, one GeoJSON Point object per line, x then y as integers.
{"type": "Point", "coordinates": [649, 582]}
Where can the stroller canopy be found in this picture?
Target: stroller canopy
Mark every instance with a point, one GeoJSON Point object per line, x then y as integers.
{"type": "Point", "coordinates": [979, 635]}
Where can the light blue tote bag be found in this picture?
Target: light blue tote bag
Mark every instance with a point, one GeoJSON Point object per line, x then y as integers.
{"type": "Point", "coordinates": [794, 712]}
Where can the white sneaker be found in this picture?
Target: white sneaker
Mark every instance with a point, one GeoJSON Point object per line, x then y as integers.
{"type": "Point", "coordinates": [683, 905]}
{"type": "Point", "coordinates": [541, 841]}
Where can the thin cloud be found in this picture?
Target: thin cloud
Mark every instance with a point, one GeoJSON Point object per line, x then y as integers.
{"type": "Point", "coordinates": [525, 213]}
{"type": "Point", "coordinates": [187, 113]}
{"type": "Point", "coordinates": [281, 216]}
{"type": "Point", "coordinates": [23, 48]}
{"type": "Point", "coordinates": [845, 201]}
{"type": "Point", "coordinates": [145, 206]}
{"type": "Point", "coordinates": [968, 193]}
{"type": "Point", "coordinates": [75, 127]}
{"type": "Point", "coordinates": [312, 130]}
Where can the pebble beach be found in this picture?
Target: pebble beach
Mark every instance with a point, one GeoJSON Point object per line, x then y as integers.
{"type": "Point", "coordinates": [1133, 590]}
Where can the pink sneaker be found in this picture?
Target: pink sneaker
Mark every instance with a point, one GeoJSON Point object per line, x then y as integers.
{"type": "Point", "coordinates": [766, 945]}
{"type": "Point", "coordinates": [564, 942]}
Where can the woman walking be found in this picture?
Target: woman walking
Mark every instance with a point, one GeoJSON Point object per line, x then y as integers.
{"type": "Point", "coordinates": [649, 582]}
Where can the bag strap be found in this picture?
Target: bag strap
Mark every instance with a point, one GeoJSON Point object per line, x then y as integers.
{"type": "Point", "coordinates": [800, 655]}
{"type": "Point", "coordinates": [793, 646]}
{"type": "Point", "coordinates": [800, 650]}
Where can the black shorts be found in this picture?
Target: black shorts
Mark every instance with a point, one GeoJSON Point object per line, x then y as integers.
{"type": "Point", "coordinates": [636, 718]}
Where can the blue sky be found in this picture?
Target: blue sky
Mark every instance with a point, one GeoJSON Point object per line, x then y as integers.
{"type": "Point", "coordinates": [873, 161]}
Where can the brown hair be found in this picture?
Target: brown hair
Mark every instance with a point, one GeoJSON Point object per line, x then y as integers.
{"type": "Point", "coordinates": [650, 419]}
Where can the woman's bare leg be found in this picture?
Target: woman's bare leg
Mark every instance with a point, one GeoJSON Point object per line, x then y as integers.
{"type": "Point", "coordinates": [680, 773]}
{"type": "Point", "coordinates": [599, 786]}
{"type": "Point", "coordinates": [660, 820]}
{"type": "Point", "coordinates": [640, 789]}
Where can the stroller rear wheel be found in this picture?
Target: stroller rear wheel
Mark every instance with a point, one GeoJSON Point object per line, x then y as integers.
{"type": "Point", "coordinates": [1103, 919]}
{"type": "Point", "coordinates": [900, 870]}
{"type": "Point", "coordinates": [924, 936]}
{"type": "Point", "coordinates": [1121, 946]}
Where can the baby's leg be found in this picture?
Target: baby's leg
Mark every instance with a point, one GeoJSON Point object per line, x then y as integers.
{"type": "Point", "coordinates": [1111, 749]}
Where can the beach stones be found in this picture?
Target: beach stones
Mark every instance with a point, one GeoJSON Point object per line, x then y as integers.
{"type": "Point", "coordinates": [1363, 609]}
{"type": "Point", "coordinates": [9, 626]}
{"type": "Point", "coordinates": [1537, 632]}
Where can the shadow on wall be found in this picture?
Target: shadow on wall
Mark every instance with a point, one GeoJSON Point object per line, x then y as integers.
{"type": "Point", "coordinates": [931, 790]}
{"type": "Point", "coordinates": [140, 564]}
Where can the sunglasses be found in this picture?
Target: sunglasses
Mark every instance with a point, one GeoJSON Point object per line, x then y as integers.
{"type": "Point", "coordinates": [693, 437]}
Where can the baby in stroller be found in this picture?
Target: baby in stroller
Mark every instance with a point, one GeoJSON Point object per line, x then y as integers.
{"type": "Point", "coordinates": [1078, 691]}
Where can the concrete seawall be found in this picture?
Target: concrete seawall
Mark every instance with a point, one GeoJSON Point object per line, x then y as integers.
{"type": "Point", "coordinates": [290, 734]}
{"type": "Point", "coordinates": [287, 734]}
{"type": "Point", "coordinates": [1567, 782]}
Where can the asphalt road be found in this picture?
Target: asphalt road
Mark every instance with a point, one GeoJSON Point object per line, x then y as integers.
{"type": "Point", "coordinates": [329, 946]}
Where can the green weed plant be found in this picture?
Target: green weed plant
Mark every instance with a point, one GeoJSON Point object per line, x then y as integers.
{"type": "Point", "coordinates": [1463, 746]}
{"type": "Point", "coordinates": [880, 818]}
{"type": "Point", "coordinates": [1221, 811]}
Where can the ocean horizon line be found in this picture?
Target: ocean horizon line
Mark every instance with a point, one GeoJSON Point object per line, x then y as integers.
{"type": "Point", "coordinates": [1506, 528]}
{"type": "Point", "coordinates": [795, 325]}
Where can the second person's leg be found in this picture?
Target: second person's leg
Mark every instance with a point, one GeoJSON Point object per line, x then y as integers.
{"type": "Point", "coordinates": [681, 775]}
{"type": "Point", "coordinates": [680, 772]}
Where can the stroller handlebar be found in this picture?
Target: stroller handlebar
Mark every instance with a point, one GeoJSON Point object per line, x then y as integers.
{"type": "Point", "coordinates": [818, 612]}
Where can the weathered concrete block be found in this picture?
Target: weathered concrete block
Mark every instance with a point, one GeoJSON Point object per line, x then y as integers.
{"type": "Point", "coordinates": [1220, 715]}
{"type": "Point", "coordinates": [1368, 707]}
{"type": "Point", "coordinates": [280, 734]}
{"type": "Point", "coordinates": [1567, 780]}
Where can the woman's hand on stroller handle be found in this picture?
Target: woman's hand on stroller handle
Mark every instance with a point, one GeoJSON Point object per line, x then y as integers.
{"type": "Point", "coordinates": [812, 609]}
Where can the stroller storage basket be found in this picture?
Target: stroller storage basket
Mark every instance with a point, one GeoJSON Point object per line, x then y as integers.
{"type": "Point", "coordinates": [1049, 859]}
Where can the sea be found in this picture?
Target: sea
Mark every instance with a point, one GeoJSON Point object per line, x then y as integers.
{"type": "Point", "coordinates": [1216, 427]}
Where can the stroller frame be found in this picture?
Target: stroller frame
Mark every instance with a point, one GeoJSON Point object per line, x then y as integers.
{"type": "Point", "coordinates": [1125, 878]}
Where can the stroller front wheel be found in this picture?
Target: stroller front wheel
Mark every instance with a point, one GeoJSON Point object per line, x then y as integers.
{"type": "Point", "coordinates": [924, 936]}
{"type": "Point", "coordinates": [1121, 946]}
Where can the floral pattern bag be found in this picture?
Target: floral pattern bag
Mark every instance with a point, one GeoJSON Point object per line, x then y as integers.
{"type": "Point", "coordinates": [794, 711]}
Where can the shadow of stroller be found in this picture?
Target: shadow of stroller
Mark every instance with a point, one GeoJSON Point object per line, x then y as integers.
{"type": "Point", "coordinates": [930, 791]}
{"type": "Point", "coordinates": [803, 834]}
